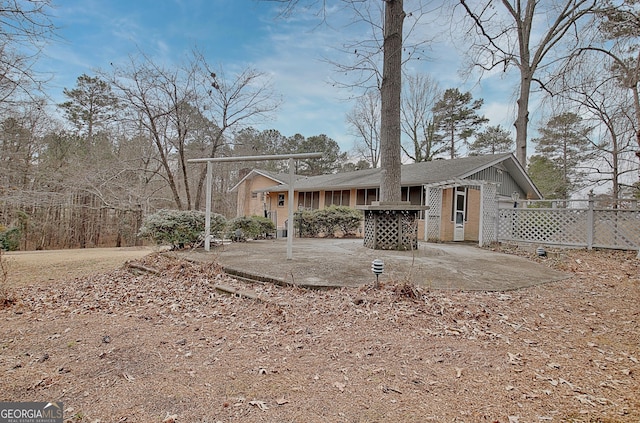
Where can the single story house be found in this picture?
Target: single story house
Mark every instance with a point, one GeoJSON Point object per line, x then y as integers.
{"type": "Point", "coordinates": [458, 192]}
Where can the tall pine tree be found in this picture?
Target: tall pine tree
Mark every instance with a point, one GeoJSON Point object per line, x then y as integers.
{"type": "Point", "coordinates": [565, 141]}
{"type": "Point", "coordinates": [492, 140]}
{"type": "Point", "coordinates": [457, 119]}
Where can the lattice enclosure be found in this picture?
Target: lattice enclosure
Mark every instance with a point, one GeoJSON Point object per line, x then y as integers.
{"type": "Point", "coordinates": [391, 230]}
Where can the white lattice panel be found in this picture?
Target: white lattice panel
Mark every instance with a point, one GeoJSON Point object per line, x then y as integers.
{"type": "Point", "coordinates": [489, 214]}
{"type": "Point", "coordinates": [558, 226]}
{"type": "Point", "coordinates": [434, 201]}
{"type": "Point", "coordinates": [369, 230]}
{"type": "Point", "coordinates": [391, 230]}
{"type": "Point", "coordinates": [607, 228]}
{"type": "Point", "coordinates": [616, 229]}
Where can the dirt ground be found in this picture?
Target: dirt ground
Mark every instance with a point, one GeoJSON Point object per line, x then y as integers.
{"type": "Point", "coordinates": [163, 345]}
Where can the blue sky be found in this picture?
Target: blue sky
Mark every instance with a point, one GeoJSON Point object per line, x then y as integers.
{"type": "Point", "coordinates": [235, 34]}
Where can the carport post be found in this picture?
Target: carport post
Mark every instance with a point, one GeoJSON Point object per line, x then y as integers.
{"type": "Point", "coordinates": [207, 229]}
{"type": "Point", "coordinates": [207, 216]}
{"type": "Point", "coordinates": [290, 212]}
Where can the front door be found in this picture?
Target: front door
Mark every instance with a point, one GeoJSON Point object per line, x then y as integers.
{"type": "Point", "coordinates": [459, 213]}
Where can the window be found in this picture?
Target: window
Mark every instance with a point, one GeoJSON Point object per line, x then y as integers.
{"type": "Point", "coordinates": [280, 200]}
{"type": "Point", "coordinates": [309, 200]}
{"type": "Point", "coordinates": [337, 198]}
{"type": "Point", "coordinates": [366, 196]}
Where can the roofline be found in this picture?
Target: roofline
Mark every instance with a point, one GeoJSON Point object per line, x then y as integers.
{"type": "Point", "coordinates": [283, 186]}
{"type": "Point", "coordinates": [515, 162]}
{"type": "Point", "coordinates": [487, 165]}
{"type": "Point", "coordinates": [259, 172]}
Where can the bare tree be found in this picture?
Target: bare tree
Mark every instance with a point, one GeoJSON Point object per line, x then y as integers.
{"type": "Point", "coordinates": [24, 27]}
{"type": "Point", "coordinates": [592, 86]}
{"type": "Point", "coordinates": [620, 24]}
{"type": "Point", "coordinates": [364, 119]}
{"type": "Point", "coordinates": [231, 104]}
{"type": "Point", "coordinates": [389, 37]}
{"type": "Point", "coordinates": [21, 134]}
{"type": "Point", "coordinates": [418, 122]}
{"type": "Point", "coordinates": [524, 34]}
{"type": "Point", "coordinates": [187, 106]}
{"type": "Point", "coordinates": [157, 97]}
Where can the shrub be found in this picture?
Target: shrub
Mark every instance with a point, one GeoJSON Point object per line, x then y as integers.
{"type": "Point", "coordinates": [251, 226]}
{"type": "Point", "coordinates": [346, 219]}
{"type": "Point", "coordinates": [178, 228]}
{"type": "Point", "coordinates": [10, 238]}
{"type": "Point", "coordinates": [311, 223]}
{"type": "Point", "coordinates": [307, 223]}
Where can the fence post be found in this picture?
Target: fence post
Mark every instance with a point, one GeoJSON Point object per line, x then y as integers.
{"type": "Point", "coordinates": [590, 225]}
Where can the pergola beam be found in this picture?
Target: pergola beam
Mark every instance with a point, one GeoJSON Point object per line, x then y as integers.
{"type": "Point", "coordinates": [290, 157]}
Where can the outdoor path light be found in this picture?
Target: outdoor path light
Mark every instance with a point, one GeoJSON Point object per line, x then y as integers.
{"type": "Point", "coordinates": [377, 267]}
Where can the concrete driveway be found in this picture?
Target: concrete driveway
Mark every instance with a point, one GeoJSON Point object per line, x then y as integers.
{"type": "Point", "coordinates": [346, 262]}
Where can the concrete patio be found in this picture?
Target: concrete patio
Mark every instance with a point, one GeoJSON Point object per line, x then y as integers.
{"type": "Point", "coordinates": [325, 263]}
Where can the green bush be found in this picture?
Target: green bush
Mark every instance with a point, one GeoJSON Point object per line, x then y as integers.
{"type": "Point", "coordinates": [178, 228]}
{"type": "Point", "coordinates": [307, 223]}
{"type": "Point", "coordinates": [346, 219]}
{"type": "Point", "coordinates": [328, 221]}
{"type": "Point", "coordinates": [255, 227]}
{"type": "Point", "coordinates": [10, 238]}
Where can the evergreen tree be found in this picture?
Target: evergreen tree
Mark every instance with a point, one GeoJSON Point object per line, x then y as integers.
{"type": "Point", "coordinates": [565, 142]}
{"type": "Point", "coordinates": [91, 105]}
{"type": "Point", "coordinates": [492, 140]}
{"type": "Point", "coordinates": [548, 177]}
{"type": "Point", "coordinates": [330, 162]}
{"type": "Point", "coordinates": [457, 119]}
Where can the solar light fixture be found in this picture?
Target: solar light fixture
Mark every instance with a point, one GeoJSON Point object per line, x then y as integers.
{"type": "Point", "coordinates": [377, 267]}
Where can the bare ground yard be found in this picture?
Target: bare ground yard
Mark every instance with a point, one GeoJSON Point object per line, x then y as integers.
{"type": "Point", "coordinates": [125, 346]}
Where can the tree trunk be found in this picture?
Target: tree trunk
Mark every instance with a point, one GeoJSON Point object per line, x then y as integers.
{"type": "Point", "coordinates": [522, 120]}
{"type": "Point", "coordinates": [390, 160]}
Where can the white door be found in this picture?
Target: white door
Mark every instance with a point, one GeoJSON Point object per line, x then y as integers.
{"type": "Point", "coordinates": [459, 213]}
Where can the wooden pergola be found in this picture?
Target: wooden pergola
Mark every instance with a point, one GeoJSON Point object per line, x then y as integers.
{"type": "Point", "coordinates": [290, 157]}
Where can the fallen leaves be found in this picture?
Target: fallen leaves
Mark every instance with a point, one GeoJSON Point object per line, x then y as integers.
{"type": "Point", "coordinates": [260, 404]}
{"type": "Point", "coordinates": [176, 345]}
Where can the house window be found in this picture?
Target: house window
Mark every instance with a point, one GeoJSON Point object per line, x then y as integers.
{"type": "Point", "coordinates": [366, 196]}
{"type": "Point", "coordinates": [254, 195]}
{"type": "Point", "coordinates": [309, 200]}
{"type": "Point", "coordinates": [337, 198]}
{"type": "Point", "coordinates": [280, 200]}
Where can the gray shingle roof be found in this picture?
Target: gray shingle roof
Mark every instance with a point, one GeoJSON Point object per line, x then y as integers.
{"type": "Point", "coordinates": [412, 174]}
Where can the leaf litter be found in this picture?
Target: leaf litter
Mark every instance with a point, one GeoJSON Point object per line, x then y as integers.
{"type": "Point", "coordinates": [158, 342]}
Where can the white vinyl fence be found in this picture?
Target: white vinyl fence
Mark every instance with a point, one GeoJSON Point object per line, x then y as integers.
{"type": "Point", "coordinates": [578, 223]}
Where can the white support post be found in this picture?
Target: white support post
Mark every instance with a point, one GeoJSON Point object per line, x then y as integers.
{"type": "Point", "coordinates": [427, 196]}
{"type": "Point", "coordinates": [207, 217]}
{"type": "Point", "coordinates": [290, 217]}
{"type": "Point", "coordinates": [590, 222]}
{"type": "Point", "coordinates": [481, 233]}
